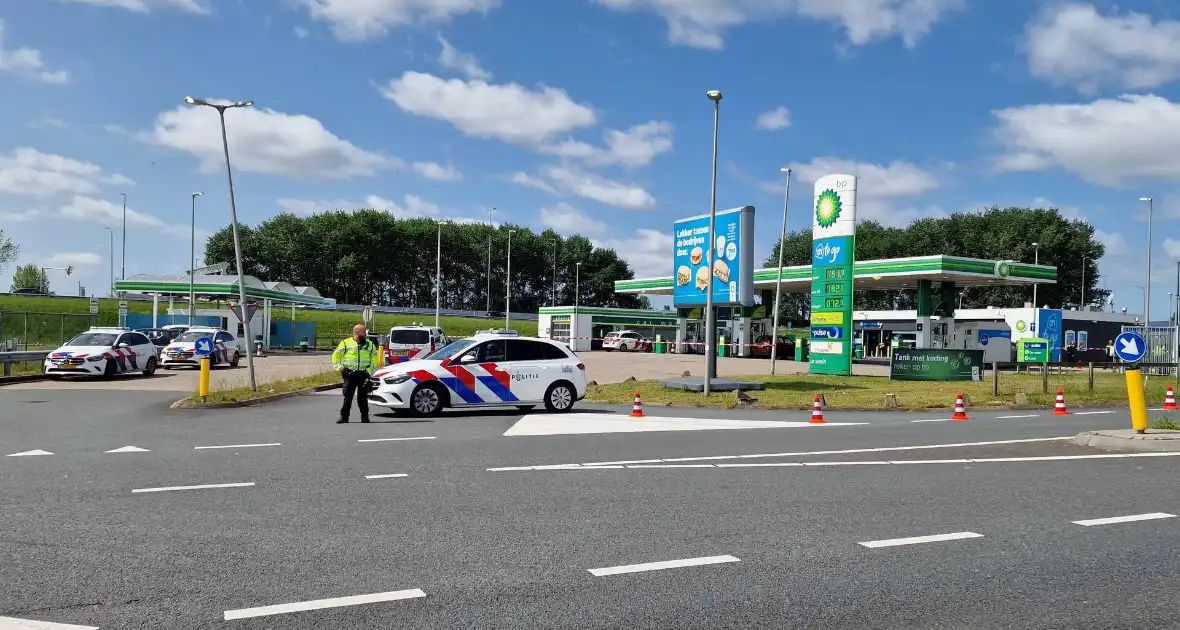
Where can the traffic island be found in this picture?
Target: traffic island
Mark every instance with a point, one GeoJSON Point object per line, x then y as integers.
{"type": "Point", "coordinates": [697, 384]}
{"type": "Point", "coordinates": [1151, 440]}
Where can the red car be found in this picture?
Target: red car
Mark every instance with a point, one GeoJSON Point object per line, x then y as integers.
{"type": "Point", "coordinates": [761, 348]}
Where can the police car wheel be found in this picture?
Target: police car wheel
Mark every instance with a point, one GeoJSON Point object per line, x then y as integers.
{"type": "Point", "coordinates": [150, 368]}
{"type": "Point", "coordinates": [109, 370]}
{"type": "Point", "coordinates": [237, 359]}
{"type": "Point", "coordinates": [426, 401]}
{"type": "Point", "coordinates": [560, 397]}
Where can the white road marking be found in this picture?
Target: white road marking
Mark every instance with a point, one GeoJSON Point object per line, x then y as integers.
{"type": "Point", "coordinates": [319, 604]}
{"type": "Point", "coordinates": [201, 487]}
{"type": "Point", "coordinates": [31, 453]}
{"type": "Point", "coordinates": [199, 448]}
{"type": "Point", "coordinates": [667, 466]}
{"type": "Point", "coordinates": [401, 439]}
{"type": "Point", "coordinates": [389, 476]}
{"type": "Point", "coordinates": [864, 463]}
{"type": "Point", "coordinates": [666, 564]}
{"type": "Point", "coordinates": [1124, 519]}
{"type": "Point", "coordinates": [12, 623]}
{"type": "Point", "coordinates": [585, 423]}
{"type": "Point", "coordinates": [761, 465]}
{"type": "Point", "coordinates": [1031, 415]}
{"type": "Point", "coordinates": [932, 420]}
{"type": "Point", "coordinates": [128, 449]}
{"type": "Point", "coordinates": [1090, 413]}
{"type": "Point", "coordinates": [916, 540]}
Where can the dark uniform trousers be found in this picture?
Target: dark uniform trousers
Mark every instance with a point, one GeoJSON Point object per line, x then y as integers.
{"type": "Point", "coordinates": [356, 382]}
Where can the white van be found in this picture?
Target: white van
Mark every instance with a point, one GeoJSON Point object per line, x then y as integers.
{"type": "Point", "coordinates": [407, 343]}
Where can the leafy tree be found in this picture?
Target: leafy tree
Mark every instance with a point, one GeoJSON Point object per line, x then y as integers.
{"type": "Point", "coordinates": [370, 257]}
{"type": "Point", "coordinates": [30, 276]}
{"type": "Point", "coordinates": [8, 250]}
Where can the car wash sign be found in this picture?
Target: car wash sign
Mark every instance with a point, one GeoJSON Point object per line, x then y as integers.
{"type": "Point", "coordinates": [833, 239]}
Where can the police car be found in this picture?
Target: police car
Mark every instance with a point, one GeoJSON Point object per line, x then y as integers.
{"type": "Point", "coordinates": [407, 343]}
{"type": "Point", "coordinates": [484, 371]}
{"type": "Point", "coordinates": [103, 352]}
{"type": "Point", "coordinates": [182, 350]}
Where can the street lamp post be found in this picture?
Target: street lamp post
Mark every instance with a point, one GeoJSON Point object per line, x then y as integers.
{"type": "Point", "coordinates": [192, 260]}
{"type": "Point", "coordinates": [1036, 261]}
{"type": "Point", "coordinates": [554, 272]}
{"type": "Point", "coordinates": [577, 295]}
{"type": "Point", "coordinates": [233, 211]}
{"type": "Point", "coordinates": [1082, 303]}
{"type": "Point", "coordinates": [123, 256]}
{"type": "Point", "coordinates": [508, 283]}
{"type": "Point", "coordinates": [490, 230]}
{"type": "Point", "coordinates": [778, 287]}
{"type": "Point", "coordinates": [710, 315]}
{"type": "Point", "coordinates": [1147, 286]}
{"type": "Point", "coordinates": [438, 277]}
{"type": "Point", "coordinates": [111, 286]}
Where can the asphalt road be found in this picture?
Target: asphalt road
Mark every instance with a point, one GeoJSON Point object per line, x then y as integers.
{"type": "Point", "coordinates": [527, 531]}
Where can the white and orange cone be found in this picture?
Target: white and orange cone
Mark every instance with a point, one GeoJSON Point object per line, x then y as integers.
{"type": "Point", "coordinates": [960, 409]}
{"type": "Point", "coordinates": [637, 408]}
{"type": "Point", "coordinates": [1059, 407]}
{"type": "Point", "coordinates": [817, 412]}
{"type": "Point", "coordinates": [1170, 400]}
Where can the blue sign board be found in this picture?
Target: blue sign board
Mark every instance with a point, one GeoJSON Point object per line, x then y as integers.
{"type": "Point", "coordinates": [203, 347]}
{"type": "Point", "coordinates": [1130, 346]}
{"type": "Point", "coordinates": [726, 263]}
{"type": "Point", "coordinates": [831, 251]}
{"type": "Point", "coordinates": [827, 332]}
{"type": "Point", "coordinates": [1049, 327]}
{"type": "Point", "coordinates": [984, 335]}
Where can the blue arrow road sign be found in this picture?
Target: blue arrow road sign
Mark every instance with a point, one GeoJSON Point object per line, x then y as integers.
{"type": "Point", "coordinates": [203, 347]}
{"type": "Point", "coordinates": [1129, 346]}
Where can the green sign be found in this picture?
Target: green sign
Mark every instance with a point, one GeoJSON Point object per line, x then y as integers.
{"type": "Point", "coordinates": [833, 241]}
{"type": "Point", "coordinates": [929, 364]}
{"type": "Point", "coordinates": [1032, 350]}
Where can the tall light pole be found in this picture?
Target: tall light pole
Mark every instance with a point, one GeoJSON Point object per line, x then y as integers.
{"type": "Point", "coordinates": [577, 295]}
{"type": "Point", "coordinates": [1082, 303]}
{"type": "Point", "coordinates": [233, 211]}
{"type": "Point", "coordinates": [490, 231]}
{"type": "Point", "coordinates": [1147, 286]}
{"type": "Point", "coordinates": [710, 315]}
{"type": "Point", "coordinates": [778, 287]}
{"type": "Point", "coordinates": [1036, 261]}
{"type": "Point", "coordinates": [508, 283]}
{"type": "Point", "coordinates": [192, 260]}
{"type": "Point", "coordinates": [111, 286]}
{"type": "Point", "coordinates": [123, 257]}
{"type": "Point", "coordinates": [554, 272]}
{"type": "Point", "coordinates": [438, 277]}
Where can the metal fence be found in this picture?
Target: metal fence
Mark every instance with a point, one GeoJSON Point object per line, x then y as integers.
{"type": "Point", "coordinates": [41, 331]}
{"type": "Point", "coordinates": [1161, 348]}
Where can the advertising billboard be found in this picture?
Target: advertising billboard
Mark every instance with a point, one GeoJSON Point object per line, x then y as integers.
{"type": "Point", "coordinates": [727, 263]}
{"type": "Point", "coordinates": [833, 243]}
{"type": "Point", "coordinates": [925, 364]}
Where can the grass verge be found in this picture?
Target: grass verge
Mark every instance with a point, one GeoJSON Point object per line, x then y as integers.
{"type": "Point", "coordinates": [242, 394]}
{"type": "Point", "coordinates": [868, 392]}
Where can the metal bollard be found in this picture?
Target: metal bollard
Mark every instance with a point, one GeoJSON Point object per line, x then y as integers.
{"type": "Point", "coordinates": [203, 387]}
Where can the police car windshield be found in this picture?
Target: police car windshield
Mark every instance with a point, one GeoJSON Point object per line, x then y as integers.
{"type": "Point", "coordinates": [193, 335]}
{"type": "Point", "coordinates": [450, 350]}
{"type": "Point", "coordinates": [409, 337]}
{"type": "Point", "coordinates": [93, 339]}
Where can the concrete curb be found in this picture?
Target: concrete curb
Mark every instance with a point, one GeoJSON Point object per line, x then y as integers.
{"type": "Point", "coordinates": [1154, 441]}
{"type": "Point", "coordinates": [24, 378]}
{"type": "Point", "coordinates": [184, 403]}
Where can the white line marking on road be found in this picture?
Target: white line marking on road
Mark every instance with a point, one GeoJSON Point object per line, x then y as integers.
{"type": "Point", "coordinates": [128, 449]}
{"type": "Point", "coordinates": [31, 453]}
{"type": "Point", "coordinates": [916, 540]}
{"type": "Point", "coordinates": [627, 461]}
{"type": "Point", "coordinates": [318, 604]}
{"type": "Point", "coordinates": [864, 463]}
{"type": "Point", "coordinates": [201, 487]}
{"type": "Point", "coordinates": [389, 476]}
{"type": "Point", "coordinates": [761, 465]}
{"type": "Point", "coordinates": [666, 466]}
{"type": "Point", "coordinates": [12, 623]}
{"type": "Point", "coordinates": [401, 439]}
{"type": "Point", "coordinates": [1031, 415]}
{"type": "Point", "coordinates": [932, 420]}
{"type": "Point", "coordinates": [1124, 519]}
{"type": "Point", "coordinates": [198, 448]}
{"type": "Point", "coordinates": [932, 461]}
{"type": "Point", "coordinates": [1090, 413]}
{"type": "Point", "coordinates": [666, 564]}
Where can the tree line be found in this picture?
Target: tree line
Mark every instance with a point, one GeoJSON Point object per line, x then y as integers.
{"type": "Point", "coordinates": [994, 234]}
{"type": "Point", "coordinates": [370, 257]}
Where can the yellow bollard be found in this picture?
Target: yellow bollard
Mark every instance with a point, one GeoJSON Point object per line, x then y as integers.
{"type": "Point", "coordinates": [203, 390]}
{"type": "Point", "coordinates": [380, 356]}
{"type": "Point", "coordinates": [1136, 400]}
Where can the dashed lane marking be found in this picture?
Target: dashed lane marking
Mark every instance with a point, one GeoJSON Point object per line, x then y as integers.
{"type": "Point", "coordinates": [666, 564]}
{"type": "Point", "coordinates": [208, 486]}
{"type": "Point", "coordinates": [1124, 519]}
{"type": "Point", "coordinates": [30, 453]}
{"type": "Point", "coordinates": [398, 439]}
{"type": "Point", "coordinates": [1090, 413]}
{"type": "Point", "coordinates": [319, 604]}
{"type": "Point", "coordinates": [917, 540]}
{"type": "Point", "coordinates": [12, 623]}
{"type": "Point", "coordinates": [128, 449]}
{"type": "Point", "coordinates": [389, 476]}
{"type": "Point", "coordinates": [201, 448]}
{"type": "Point", "coordinates": [1029, 415]}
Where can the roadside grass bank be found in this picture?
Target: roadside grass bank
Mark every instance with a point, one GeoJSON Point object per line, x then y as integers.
{"type": "Point", "coordinates": [869, 392]}
{"type": "Point", "coordinates": [240, 393]}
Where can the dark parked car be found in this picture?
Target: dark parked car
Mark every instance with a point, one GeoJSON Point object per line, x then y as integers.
{"type": "Point", "coordinates": [161, 337]}
{"type": "Point", "coordinates": [761, 348]}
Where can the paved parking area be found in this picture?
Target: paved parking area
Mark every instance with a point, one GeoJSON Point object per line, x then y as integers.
{"type": "Point", "coordinates": [616, 367]}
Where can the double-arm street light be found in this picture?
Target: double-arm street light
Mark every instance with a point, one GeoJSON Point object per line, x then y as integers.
{"type": "Point", "coordinates": [233, 211]}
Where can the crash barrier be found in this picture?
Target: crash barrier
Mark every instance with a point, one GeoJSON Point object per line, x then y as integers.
{"type": "Point", "coordinates": [7, 359]}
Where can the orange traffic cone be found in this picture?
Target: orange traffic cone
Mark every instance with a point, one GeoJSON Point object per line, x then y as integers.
{"type": "Point", "coordinates": [960, 410]}
{"type": "Point", "coordinates": [817, 412]}
{"type": "Point", "coordinates": [1059, 407]}
{"type": "Point", "coordinates": [1170, 400]}
{"type": "Point", "coordinates": [637, 408]}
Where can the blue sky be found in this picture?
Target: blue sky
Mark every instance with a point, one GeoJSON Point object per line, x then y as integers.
{"type": "Point", "coordinates": [587, 116]}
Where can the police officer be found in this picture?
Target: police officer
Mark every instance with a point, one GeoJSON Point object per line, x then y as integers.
{"type": "Point", "coordinates": [355, 358]}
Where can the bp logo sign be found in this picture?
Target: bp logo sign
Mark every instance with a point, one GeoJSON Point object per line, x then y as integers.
{"type": "Point", "coordinates": [1003, 269]}
{"type": "Point", "coordinates": [1020, 325]}
{"type": "Point", "coordinates": [827, 208]}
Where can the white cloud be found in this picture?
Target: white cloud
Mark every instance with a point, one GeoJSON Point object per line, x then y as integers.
{"type": "Point", "coordinates": [701, 23]}
{"type": "Point", "coordinates": [508, 112]}
{"type": "Point", "coordinates": [597, 188]}
{"type": "Point", "coordinates": [634, 147]}
{"type": "Point", "coordinates": [144, 6]}
{"type": "Point", "coordinates": [566, 219]}
{"type": "Point", "coordinates": [646, 251]}
{"type": "Point", "coordinates": [265, 141]}
{"type": "Point", "coordinates": [48, 122]}
{"type": "Point", "coordinates": [532, 181]}
{"type": "Point", "coordinates": [27, 62]}
{"type": "Point", "coordinates": [437, 172]}
{"type": "Point", "coordinates": [1074, 43]}
{"type": "Point", "coordinates": [452, 59]}
{"type": "Point", "coordinates": [27, 171]}
{"type": "Point", "coordinates": [1106, 142]}
{"type": "Point", "coordinates": [359, 20]}
{"type": "Point", "coordinates": [301, 33]}
{"type": "Point", "coordinates": [412, 206]}
{"type": "Point", "coordinates": [774, 120]}
{"type": "Point", "coordinates": [76, 259]}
